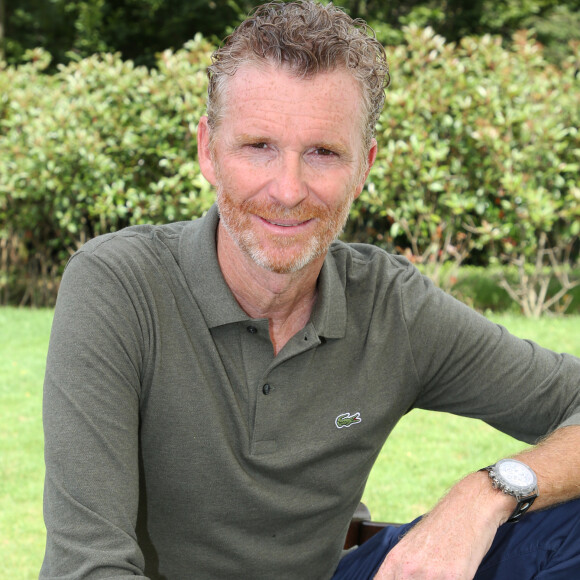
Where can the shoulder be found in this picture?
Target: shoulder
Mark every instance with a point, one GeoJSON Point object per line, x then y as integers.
{"type": "Point", "coordinates": [134, 258]}
{"type": "Point", "coordinates": [141, 245]}
{"type": "Point", "coordinates": [364, 263]}
{"type": "Point", "coordinates": [391, 283]}
{"type": "Point", "coordinates": [134, 236]}
{"type": "Point", "coordinates": [366, 255]}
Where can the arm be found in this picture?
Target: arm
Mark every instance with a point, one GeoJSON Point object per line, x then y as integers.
{"type": "Point", "coordinates": [91, 421]}
{"type": "Point", "coordinates": [468, 366]}
{"type": "Point", "coordinates": [469, 515]}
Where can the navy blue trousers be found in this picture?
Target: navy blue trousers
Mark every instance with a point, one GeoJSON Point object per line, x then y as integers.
{"type": "Point", "coordinates": [543, 545]}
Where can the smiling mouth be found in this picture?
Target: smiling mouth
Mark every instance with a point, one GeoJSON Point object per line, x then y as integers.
{"type": "Point", "coordinates": [286, 224]}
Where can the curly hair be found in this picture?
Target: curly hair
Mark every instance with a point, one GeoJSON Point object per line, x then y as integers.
{"type": "Point", "coordinates": [307, 38]}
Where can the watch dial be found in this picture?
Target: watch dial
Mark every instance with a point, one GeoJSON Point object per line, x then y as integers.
{"type": "Point", "coordinates": [516, 474]}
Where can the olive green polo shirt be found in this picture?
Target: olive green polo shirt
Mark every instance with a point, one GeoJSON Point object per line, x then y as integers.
{"type": "Point", "coordinates": [177, 445]}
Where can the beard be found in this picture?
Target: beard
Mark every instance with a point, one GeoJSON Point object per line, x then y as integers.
{"type": "Point", "coordinates": [282, 254]}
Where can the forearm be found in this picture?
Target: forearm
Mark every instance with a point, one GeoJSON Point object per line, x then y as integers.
{"type": "Point", "coordinates": [469, 515]}
{"type": "Point", "coordinates": [556, 462]}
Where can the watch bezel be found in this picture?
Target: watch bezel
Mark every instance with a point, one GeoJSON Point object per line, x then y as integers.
{"type": "Point", "coordinates": [511, 487]}
{"type": "Point", "coordinates": [524, 495]}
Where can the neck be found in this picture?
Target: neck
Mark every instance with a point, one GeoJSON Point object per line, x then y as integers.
{"type": "Point", "coordinates": [286, 300]}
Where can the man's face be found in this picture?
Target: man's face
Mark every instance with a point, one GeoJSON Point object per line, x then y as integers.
{"type": "Point", "coordinates": [287, 161]}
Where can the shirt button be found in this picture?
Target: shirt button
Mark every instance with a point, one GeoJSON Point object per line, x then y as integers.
{"type": "Point", "coordinates": [266, 389]}
{"type": "Point", "coordinates": [252, 329]}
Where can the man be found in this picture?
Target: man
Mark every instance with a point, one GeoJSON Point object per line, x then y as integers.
{"type": "Point", "coordinates": [217, 391]}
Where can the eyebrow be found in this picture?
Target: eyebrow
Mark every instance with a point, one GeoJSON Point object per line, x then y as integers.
{"type": "Point", "coordinates": [248, 138]}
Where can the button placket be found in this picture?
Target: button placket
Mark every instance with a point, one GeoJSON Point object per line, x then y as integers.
{"type": "Point", "coordinates": [257, 356]}
{"type": "Point", "coordinates": [265, 423]}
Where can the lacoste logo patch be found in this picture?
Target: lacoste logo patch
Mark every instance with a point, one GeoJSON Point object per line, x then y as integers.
{"type": "Point", "coordinates": [346, 420]}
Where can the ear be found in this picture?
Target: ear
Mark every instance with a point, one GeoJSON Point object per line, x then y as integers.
{"type": "Point", "coordinates": [371, 156]}
{"type": "Point", "coordinates": [204, 155]}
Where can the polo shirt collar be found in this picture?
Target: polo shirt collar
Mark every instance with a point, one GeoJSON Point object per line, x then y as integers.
{"type": "Point", "coordinates": [199, 263]}
{"type": "Point", "coordinates": [329, 316]}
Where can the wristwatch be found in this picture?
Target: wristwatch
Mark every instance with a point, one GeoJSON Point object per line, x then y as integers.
{"type": "Point", "coordinates": [517, 479]}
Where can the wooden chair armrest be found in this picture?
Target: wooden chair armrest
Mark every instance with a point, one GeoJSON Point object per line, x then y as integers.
{"type": "Point", "coordinates": [362, 528]}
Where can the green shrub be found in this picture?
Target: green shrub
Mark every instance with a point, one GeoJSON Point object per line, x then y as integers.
{"type": "Point", "coordinates": [479, 150]}
{"type": "Point", "coordinates": [99, 146]}
{"type": "Point", "coordinates": [476, 138]}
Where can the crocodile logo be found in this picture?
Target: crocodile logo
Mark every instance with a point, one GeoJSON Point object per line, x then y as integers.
{"type": "Point", "coordinates": [346, 420]}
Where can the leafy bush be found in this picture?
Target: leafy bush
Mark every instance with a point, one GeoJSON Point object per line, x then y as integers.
{"type": "Point", "coordinates": [99, 146]}
{"type": "Point", "coordinates": [480, 153]}
{"type": "Point", "coordinates": [478, 156]}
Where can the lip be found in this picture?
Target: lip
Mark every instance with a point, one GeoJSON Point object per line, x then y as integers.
{"type": "Point", "coordinates": [285, 224]}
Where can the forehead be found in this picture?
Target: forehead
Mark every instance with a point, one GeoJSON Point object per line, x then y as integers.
{"type": "Point", "coordinates": [267, 96]}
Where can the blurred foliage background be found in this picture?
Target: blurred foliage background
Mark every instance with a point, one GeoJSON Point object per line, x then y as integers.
{"type": "Point", "coordinates": [138, 29]}
{"type": "Point", "coordinates": [476, 180]}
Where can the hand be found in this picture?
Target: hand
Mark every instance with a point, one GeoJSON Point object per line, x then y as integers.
{"type": "Point", "coordinates": [436, 549]}
{"type": "Point", "coordinates": [451, 541]}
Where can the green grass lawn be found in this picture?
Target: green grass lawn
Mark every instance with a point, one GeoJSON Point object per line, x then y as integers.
{"type": "Point", "coordinates": [426, 453]}
{"type": "Point", "coordinates": [23, 343]}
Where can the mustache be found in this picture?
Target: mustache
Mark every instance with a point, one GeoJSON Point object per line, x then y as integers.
{"type": "Point", "coordinates": [275, 210]}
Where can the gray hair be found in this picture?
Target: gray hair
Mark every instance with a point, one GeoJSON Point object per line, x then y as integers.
{"type": "Point", "coordinates": [307, 38]}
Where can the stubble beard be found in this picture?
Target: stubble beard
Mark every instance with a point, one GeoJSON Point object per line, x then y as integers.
{"type": "Point", "coordinates": [284, 254]}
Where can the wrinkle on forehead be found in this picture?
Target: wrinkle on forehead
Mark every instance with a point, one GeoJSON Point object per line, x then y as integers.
{"type": "Point", "coordinates": [261, 95]}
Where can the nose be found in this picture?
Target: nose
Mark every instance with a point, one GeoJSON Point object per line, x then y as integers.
{"type": "Point", "coordinates": [288, 186]}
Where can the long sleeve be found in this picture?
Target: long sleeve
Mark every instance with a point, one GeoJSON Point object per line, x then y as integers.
{"type": "Point", "coordinates": [91, 421]}
{"type": "Point", "coordinates": [470, 366]}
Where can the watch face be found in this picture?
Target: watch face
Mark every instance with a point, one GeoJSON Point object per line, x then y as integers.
{"type": "Point", "coordinates": [515, 473]}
